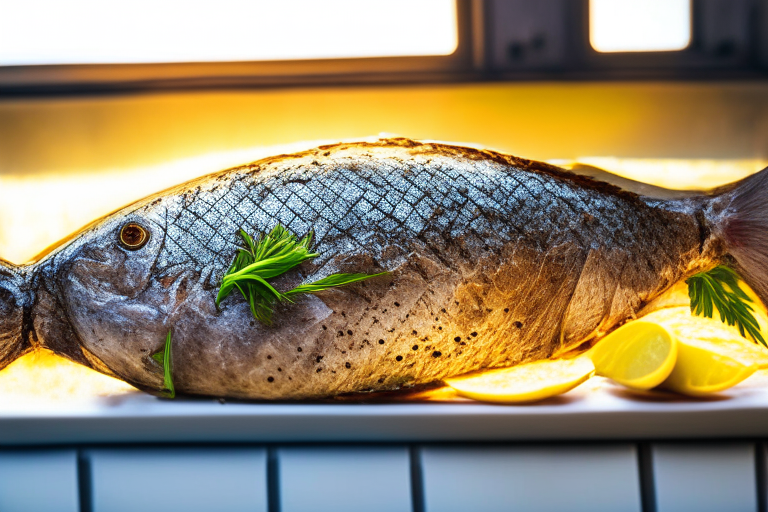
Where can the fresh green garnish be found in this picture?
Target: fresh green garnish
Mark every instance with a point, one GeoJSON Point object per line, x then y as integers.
{"type": "Point", "coordinates": [163, 358]}
{"type": "Point", "coordinates": [719, 288]}
{"type": "Point", "coordinates": [272, 255]}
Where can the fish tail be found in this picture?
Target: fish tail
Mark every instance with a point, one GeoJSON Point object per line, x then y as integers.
{"type": "Point", "coordinates": [15, 307]}
{"type": "Point", "coordinates": [741, 219]}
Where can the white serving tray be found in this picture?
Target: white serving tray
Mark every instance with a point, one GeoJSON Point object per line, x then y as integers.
{"type": "Point", "coordinates": [597, 410]}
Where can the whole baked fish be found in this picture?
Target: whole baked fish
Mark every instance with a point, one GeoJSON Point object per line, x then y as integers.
{"type": "Point", "coordinates": [491, 260]}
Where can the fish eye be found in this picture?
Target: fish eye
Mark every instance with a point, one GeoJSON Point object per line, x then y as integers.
{"type": "Point", "coordinates": [133, 236]}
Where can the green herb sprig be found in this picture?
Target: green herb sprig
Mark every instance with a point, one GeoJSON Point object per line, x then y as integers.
{"type": "Point", "coordinates": [163, 358]}
{"type": "Point", "coordinates": [272, 255]}
{"type": "Point", "coordinates": [719, 288]}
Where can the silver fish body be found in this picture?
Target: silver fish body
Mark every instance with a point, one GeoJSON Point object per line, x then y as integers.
{"type": "Point", "coordinates": [492, 261]}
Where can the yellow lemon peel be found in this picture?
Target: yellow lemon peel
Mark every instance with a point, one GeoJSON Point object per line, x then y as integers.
{"type": "Point", "coordinates": [528, 382]}
{"type": "Point", "coordinates": [638, 355]}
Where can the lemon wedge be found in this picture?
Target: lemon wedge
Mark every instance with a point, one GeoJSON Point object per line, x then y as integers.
{"type": "Point", "coordinates": [727, 340]}
{"type": "Point", "coordinates": [526, 382]}
{"type": "Point", "coordinates": [639, 355]}
{"type": "Point", "coordinates": [703, 367]}
{"type": "Point", "coordinates": [712, 356]}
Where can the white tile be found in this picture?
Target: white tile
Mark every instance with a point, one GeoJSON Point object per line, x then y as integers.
{"type": "Point", "coordinates": [591, 478]}
{"type": "Point", "coordinates": [170, 479]}
{"type": "Point", "coordinates": [38, 480]}
{"type": "Point", "coordinates": [704, 477]}
{"type": "Point", "coordinates": [343, 479]}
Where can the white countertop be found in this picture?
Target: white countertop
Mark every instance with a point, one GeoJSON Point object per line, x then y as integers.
{"type": "Point", "coordinates": [596, 410]}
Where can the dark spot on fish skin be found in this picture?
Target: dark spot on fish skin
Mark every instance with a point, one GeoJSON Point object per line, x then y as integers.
{"type": "Point", "coordinates": [407, 315]}
{"type": "Point", "coordinates": [325, 328]}
{"type": "Point", "coordinates": [457, 303]}
{"type": "Point", "coordinates": [326, 153]}
{"type": "Point", "coordinates": [290, 378]}
{"type": "Point", "coordinates": [462, 343]}
{"type": "Point", "coordinates": [437, 319]}
{"type": "Point", "coordinates": [399, 358]}
{"type": "Point", "coordinates": [343, 351]}
{"type": "Point", "coordinates": [415, 347]}
{"type": "Point", "coordinates": [269, 357]}
{"type": "Point", "coordinates": [279, 369]}
{"type": "Point", "coordinates": [340, 334]}
{"type": "Point", "coordinates": [473, 334]}
{"type": "Point", "coordinates": [414, 333]}
{"type": "Point", "coordinates": [518, 324]}
{"type": "Point", "coordinates": [442, 310]}
{"type": "Point", "coordinates": [349, 332]}
{"type": "Point", "coordinates": [436, 353]}
{"type": "Point", "coordinates": [440, 328]}
{"type": "Point", "coordinates": [381, 342]}
{"type": "Point", "coordinates": [318, 359]}
{"type": "Point", "coordinates": [299, 349]}
{"type": "Point", "coordinates": [319, 370]}
{"type": "Point", "coordinates": [343, 314]}
{"type": "Point", "coordinates": [270, 379]}
{"type": "Point", "coordinates": [347, 365]}
{"type": "Point", "coordinates": [457, 339]}
{"type": "Point", "coordinates": [506, 310]}
{"type": "Point", "coordinates": [397, 304]}
{"type": "Point", "coordinates": [381, 380]}
{"type": "Point", "coordinates": [384, 310]}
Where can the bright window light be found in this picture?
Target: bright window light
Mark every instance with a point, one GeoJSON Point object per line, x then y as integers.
{"type": "Point", "coordinates": [639, 25]}
{"type": "Point", "coordinates": [150, 31]}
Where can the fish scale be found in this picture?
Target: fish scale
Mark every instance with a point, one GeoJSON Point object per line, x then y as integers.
{"type": "Point", "coordinates": [490, 260]}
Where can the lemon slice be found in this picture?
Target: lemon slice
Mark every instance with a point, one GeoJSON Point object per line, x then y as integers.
{"type": "Point", "coordinates": [686, 326]}
{"type": "Point", "coordinates": [704, 367]}
{"type": "Point", "coordinates": [527, 382]}
{"type": "Point", "coordinates": [712, 357]}
{"type": "Point", "coordinates": [639, 355]}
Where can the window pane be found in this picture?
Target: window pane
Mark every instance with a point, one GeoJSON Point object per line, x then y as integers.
{"type": "Point", "coordinates": [148, 31]}
{"type": "Point", "coordinates": [639, 25]}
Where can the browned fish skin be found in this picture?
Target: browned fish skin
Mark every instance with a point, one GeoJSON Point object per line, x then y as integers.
{"type": "Point", "coordinates": [493, 260]}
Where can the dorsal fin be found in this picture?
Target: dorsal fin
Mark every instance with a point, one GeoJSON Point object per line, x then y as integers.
{"type": "Point", "coordinates": [635, 187]}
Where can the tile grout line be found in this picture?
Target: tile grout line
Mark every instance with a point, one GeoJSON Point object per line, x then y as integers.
{"type": "Point", "coordinates": [417, 479]}
{"type": "Point", "coordinates": [84, 481]}
{"type": "Point", "coordinates": [761, 476]}
{"type": "Point", "coordinates": [273, 480]}
{"type": "Point", "coordinates": [645, 467]}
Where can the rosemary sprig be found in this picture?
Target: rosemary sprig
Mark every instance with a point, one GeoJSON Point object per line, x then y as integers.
{"type": "Point", "coordinates": [719, 288]}
{"type": "Point", "coordinates": [272, 255]}
{"type": "Point", "coordinates": [163, 357]}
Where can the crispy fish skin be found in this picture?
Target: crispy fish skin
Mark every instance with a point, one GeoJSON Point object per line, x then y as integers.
{"type": "Point", "coordinates": [493, 260]}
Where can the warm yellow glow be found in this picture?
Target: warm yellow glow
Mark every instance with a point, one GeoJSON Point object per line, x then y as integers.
{"type": "Point", "coordinates": [679, 174]}
{"type": "Point", "coordinates": [42, 376]}
{"type": "Point", "coordinates": [147, 31]}
{"type": "Point", "coordinates": [639, 25]}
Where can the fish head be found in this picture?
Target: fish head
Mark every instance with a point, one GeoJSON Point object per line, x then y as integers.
{"type": "Point", "coordinates": [115, 310]}
{"type": "Point", "coordinates": [14, 302]}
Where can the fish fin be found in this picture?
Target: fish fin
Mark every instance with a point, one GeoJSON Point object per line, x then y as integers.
{"type": "Point", "coordinates": [630, 185]}
{"type": "Point", "coordinates": [742, 223]}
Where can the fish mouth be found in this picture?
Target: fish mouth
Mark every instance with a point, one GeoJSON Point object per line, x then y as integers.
{"type": "Point", "coordinates": [15, 312]}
